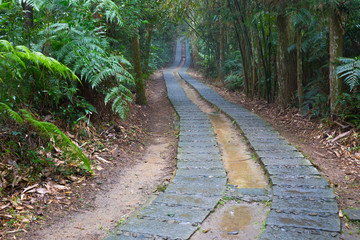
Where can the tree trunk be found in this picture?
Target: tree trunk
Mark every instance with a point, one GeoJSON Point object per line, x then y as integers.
{"type": "Point", "coordinates": [299, 68]}
{"type": "Point", "coordinates": [336, 51]}
{"type": "Point", "coordinates": [286, 62]}
{"type": "Point", "coordinates": [139, 81]}
{"type": "Point", "coordinates": [220, 77]}
{"type": "Point", "coordinates": [150, 31]}
{"type": "Point", "coordinates": [28, 14]}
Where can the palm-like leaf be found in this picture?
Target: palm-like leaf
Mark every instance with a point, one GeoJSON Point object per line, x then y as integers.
{"type": "Point", "coordinates": [349, 70]}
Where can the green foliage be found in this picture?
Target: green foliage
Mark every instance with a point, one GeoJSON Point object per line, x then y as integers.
{"type": "Point", "coordinates": [315, 100]}
{"type": "Point", "coordinates": [88, 54]}
{"type": "Point", "coordinates": [49, 132]}
{"type": "Point", "coordinates": [11, 113]}
{"type": "Point", "coordinates": [52, 132]}
{"type": "Point", "coordinates": [349, 70]}
{"type": "Point", "coordinates": [234, 82]}
{"type": "Point", "coordinates": [29, 75]}
{"type": "Point", "coordinates": [350, 108]}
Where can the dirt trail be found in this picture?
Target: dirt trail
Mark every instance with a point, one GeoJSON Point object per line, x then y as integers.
{"type": "Point", "coordinates": [132, 186]}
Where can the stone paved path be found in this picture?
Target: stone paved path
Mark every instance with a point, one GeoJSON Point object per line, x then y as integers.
{"type": "Point", "coordinates": [303, 204]}
{"type": "Point", "coordinates": [303, 207]}
{"type": "Point", "coordinates": [199, 181]}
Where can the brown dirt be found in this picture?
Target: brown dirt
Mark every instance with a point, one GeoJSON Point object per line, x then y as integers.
{"type": "Point", "coordinates": [335, 160]}
{"type": "Point", "coordinates": [122, 184]}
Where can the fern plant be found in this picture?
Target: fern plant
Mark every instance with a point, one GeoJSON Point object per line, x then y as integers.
{"type": "Point", "coordinates": [51, 132]}
{"type": "Point", "coordinates": [87, 52]}
{"type": "Point", "coordinates": [349, 70]}
{"type": "Point", "coordinates": [24, 71]}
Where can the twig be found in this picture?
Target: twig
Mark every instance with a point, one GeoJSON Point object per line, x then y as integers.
{"type": "Point", "coordinates": [345, 134]}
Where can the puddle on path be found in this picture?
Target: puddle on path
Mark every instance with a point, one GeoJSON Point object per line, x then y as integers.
{"type": "Point", "coordinates": [242, 170]}
{"type": "Point", "coordinates": [233, 221]}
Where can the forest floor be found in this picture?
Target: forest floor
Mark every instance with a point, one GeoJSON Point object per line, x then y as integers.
{"type": "Point", "coordinates": [90, 208]}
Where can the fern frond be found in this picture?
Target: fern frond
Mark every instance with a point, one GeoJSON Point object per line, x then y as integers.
{"type": "Point", "coordinates": [349, 71]}
{"type": "Point", "coordinates": [12, 114]}
{"type": "Point", "coordinates": [50, 131]}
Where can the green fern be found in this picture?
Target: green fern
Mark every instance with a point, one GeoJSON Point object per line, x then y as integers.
{"type": "Point", "coordinates": [50, 131]}
{"type": "Point", "coordinates": [349, 70]}
{"type": "Point", "coordinates": [109, 8]}
{"type": "Point", "coordinates": [87, 53]}
{"type": "Point", "coordinates": [12, 114]}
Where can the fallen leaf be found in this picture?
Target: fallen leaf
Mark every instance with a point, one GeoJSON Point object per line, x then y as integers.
{"type": "Point", "coordinates": [102, 159]}
{"type": "Point", "coordinates": [206, 230]}
{"type": "Point", "coordinates": [341, 214]}
{"type": "Point", "coordinates": [29, 206]}
{"type": "Point", "coordinates": [61, 187]}
{"type": "Point", "coordinates": [30, 187]}
{"type": "Point", "coordinates": [347, 226]}
{"type": "Point", "coordinates": [42, 190]}
{"type": "Point", "coordinates": [5, 206]}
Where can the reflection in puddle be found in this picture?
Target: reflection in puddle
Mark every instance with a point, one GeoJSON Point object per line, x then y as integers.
{"type": "Point", "coordinates": [233, 221]}
{"type": "Point", "coordinates": [242, 169]}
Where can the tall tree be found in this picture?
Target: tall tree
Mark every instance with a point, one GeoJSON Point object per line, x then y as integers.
{"type": "Point", "coordinates": [336, 45]}
{"type": "Point", "coordinates": [286, 60]}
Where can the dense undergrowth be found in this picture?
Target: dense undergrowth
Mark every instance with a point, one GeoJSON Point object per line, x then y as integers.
{"type": "Point", "coordinates": [67, 76]}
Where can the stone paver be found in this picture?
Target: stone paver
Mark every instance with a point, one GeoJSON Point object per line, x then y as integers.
{"type": "Point", "coordinates": [304, 205]}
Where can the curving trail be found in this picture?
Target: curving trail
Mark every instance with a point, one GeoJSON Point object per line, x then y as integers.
{"type": "Point", "coordinates": [303, 204]}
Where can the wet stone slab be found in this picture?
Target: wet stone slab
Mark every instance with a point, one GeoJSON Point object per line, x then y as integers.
{"type": "Point", "coordinates": [329, 223]}
{"type": "Point", "coordinates": [298, 234]}
{"type": "Point", "coordinates": [147, 227]}
{"type": "Point", "coordinates": [189, 164]}
{"type": "Point", "coordinates": [315, 193]}
{"type": "Point", "coordinates": [199, 189]}
{"type": "Point", "coordinates": [295, 170]}
{"type": "Point", "coordinates": [199, 157]}
{"type": "Point", "coordinates": [277, 161]}
{"type": "Point", "coordinates": [310, 206]}
{"type": "Point", "coordinates": [198, 151]}
{"type": "Point", "coordinates": [206, 139]}
{"type": "Point", "coordinates": [272, 147]}
{"type": "Point", "coordinates": [284, 180]}
{"type": "Point", "coordinates": [198, 145]}
{"type": "Point", "coordinates": [188, 200]}
{"type": "Point", "coordinates": [184, 179]}
{"type": "Point", "coordinates": [280, 154]}
{"type": "Point", "coordinates": [220, 172]}
{"type": "Point", "coordinates": [191, 215]}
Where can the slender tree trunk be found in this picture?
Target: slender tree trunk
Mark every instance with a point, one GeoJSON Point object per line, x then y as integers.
{"type": "Point", "coordinates": [299, 68]}
{"type": "Point", "coordinates": [139, 81]}
{"type": "Point", "coordinates": [254, 73]}
{"type": "Point", "coordinates": [220, 77]}
{"type": "Point", "coordinates": [286, 62]}
{"type": "Point", "coordinates": [150, 31]}
{"type": "Point", "coordinates": [195, 52]}
{"type": "Point", "coordinates": [28, 14]}
{"type": "Point", "coordinates": [336, 51]}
